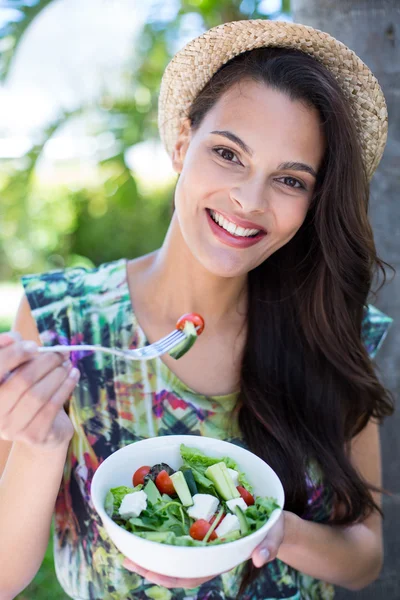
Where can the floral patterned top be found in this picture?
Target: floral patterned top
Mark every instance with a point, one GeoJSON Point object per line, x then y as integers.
{"type": "Point", "coordinates": [118, 402]}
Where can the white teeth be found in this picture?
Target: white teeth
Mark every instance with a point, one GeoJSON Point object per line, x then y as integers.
{"type": "Point", "coordinates": [231, 227]}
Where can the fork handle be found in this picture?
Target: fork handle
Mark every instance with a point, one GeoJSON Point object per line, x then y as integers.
{"type": "Point", "coordinates": [64, 348]}
{"type": "Point", "coordinates": [81, 347]}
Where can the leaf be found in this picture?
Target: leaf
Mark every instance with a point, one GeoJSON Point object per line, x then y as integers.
{"type": "Point", "coordinates": [199, 462]}
{"type": "Point", "coordinates": [258, 514]}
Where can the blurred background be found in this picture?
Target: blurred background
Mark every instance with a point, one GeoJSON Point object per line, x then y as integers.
{"type": "Point", "coordinates": [80, 156]}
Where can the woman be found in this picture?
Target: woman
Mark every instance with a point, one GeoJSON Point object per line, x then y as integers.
{"type": "Point", "coordinates": [274, 130]}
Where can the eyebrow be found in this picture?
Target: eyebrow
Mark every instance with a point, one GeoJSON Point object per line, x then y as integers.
{"type": "Point", "coordinates": [234, 138]}
{"type": "Point", "coordinates": [293, 166]}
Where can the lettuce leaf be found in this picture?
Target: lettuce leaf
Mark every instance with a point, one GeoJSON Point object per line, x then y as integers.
{"type": "Point", "coordinates": [168, 516]}
{"type": "Point", "coordinates": [258, 514]}
{"type": "Point", "coordinates": [199, 462]}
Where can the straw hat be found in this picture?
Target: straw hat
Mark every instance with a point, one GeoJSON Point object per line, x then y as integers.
{"type": "Point", "coordinates": [196, 63]}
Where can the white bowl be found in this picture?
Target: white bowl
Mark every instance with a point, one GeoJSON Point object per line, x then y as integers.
{"type": "Point", "coordinates": [182, 561]}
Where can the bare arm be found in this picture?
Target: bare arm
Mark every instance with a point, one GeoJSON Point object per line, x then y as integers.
{"type": "Point", "coordinates": [351, 556]}
{"type": "Point", "coordinates": [31, 475]}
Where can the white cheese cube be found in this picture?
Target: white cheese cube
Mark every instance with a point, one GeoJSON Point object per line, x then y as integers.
{"type": "Point", "coordinates": [229, 524]}
{"type": "Point", "coordinates": [204, 506]}
{"type": "Point", "coordinates": [236, 502]}
{"type": "Point", "coordinates": [235, 476]}
{"type": "Point", "coordinates": [133, 504]}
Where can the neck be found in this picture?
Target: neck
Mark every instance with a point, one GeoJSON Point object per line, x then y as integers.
{"type": "Point", "coordinates": [179, 284]}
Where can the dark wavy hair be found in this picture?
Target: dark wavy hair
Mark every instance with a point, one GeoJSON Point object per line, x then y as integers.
{"type": "Point", "coordinates": [308, 385]}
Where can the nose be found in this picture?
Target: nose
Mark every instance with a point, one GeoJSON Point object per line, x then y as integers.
{"type": "Point", "coordinates": [250, 196]}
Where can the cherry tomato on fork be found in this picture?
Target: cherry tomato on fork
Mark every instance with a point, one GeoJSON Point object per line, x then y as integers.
{"type": "Point", "coordinates": [139, 476]}
{"type": "Point", "coordinates": [194, 318]}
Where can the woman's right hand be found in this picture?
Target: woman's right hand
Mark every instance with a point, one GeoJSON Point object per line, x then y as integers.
{"type": "Point", "coordinates": [33, 390]}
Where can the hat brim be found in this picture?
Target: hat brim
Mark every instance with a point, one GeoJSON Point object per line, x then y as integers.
{"type": "Point", "coordinates": [194, 65]}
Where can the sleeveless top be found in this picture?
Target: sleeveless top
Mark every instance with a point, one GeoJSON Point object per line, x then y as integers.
{"type": "Point", "coordinates": [117, 402]}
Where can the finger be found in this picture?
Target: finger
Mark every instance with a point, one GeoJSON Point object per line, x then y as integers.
{"type": "Point", "coordinates": [9, 337]}
{"type": "Point", "coordinates": [168, 582]}
{"type": "Point", "coordinates": [24, 377]}
{"type": "Point", "coordinates": [265, 552]}
{"type": "Point", "coordinates": [31, 402]}
{"type": "Point", "coordinates": [14, 355]}
{"type": "Point", "coordinates": [39, 428]}
{"type": "Point", "coordinates": [269, 547]}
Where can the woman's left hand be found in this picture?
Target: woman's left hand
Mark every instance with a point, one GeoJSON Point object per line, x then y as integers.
{"type": "Point", "coordinates": [266, 551]}
{"type": "Point", "coordinates": [269, 547]}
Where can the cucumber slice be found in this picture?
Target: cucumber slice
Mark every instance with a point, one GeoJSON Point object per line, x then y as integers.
{"type": "Point", "coordinates": [244, 526]}
{"type": "Point", "coordinates": [188, 474]}
{"type": "Point", "coordinates": [152, 493]}
{"type": "Point", "coordinates": [181, 488]}
{"type": "Point", "coordinates": [220, 477]}
{"type": "Point", "coordinates": [230, 537]}
{"type": "Point", "coordinates": [109, 504]}
{"type": "Point", "coordinates": [191, 336]}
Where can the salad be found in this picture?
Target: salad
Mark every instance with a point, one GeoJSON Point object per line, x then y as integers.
{"type": "Point", "coordinates": [207, 501]}
{"type": "Point", "coordinates": [192, 325]}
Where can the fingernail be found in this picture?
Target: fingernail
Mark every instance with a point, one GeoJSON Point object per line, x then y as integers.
{"type": "Point", "coordinates": [9, 337]}
{"type": "Point", "coordinates": [66, 364]}
{"type": "Point", "coordinates": [264, 554]}
{"type": "Point", "coordinates": [75, 373]}
{"type": "Point", "coordinates": [29, 347]}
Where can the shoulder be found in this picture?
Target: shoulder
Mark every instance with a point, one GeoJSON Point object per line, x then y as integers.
{"type": "Point", "coordinates": [52, 287]}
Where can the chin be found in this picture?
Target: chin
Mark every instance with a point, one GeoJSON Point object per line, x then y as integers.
{"type": "Point", "coordinates": [227, 266]}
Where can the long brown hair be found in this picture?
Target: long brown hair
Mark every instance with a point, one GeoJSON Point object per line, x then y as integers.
{"type": "Point", "coordinates": [308, 385]}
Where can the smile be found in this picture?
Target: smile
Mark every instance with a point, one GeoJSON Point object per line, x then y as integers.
{"type": "Point", "coordinates": [232, 234]}
{"type": "Point", "coordinates": [231, 227]}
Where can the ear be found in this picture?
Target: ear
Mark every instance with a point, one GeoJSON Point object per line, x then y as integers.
{"type": "Point", "coordinates": [181, 146]}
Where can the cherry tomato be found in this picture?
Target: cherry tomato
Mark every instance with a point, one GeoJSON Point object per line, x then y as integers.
{"type": "Point", "coordinates": [199, 530]}
{"type": "Point", "coordinates": [247, 497]}
{"type": "Point", "coordinates": [164, 483]}
{"type": "Point", "coordinates": [139, 476]}
{"type": "Point", "coordinates": [194, 318]}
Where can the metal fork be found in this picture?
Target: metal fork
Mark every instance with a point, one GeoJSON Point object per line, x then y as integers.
{"type": "Point", "coordinates": [159, 348]}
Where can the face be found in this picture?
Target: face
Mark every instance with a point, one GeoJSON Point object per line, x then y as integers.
{"type": "Point", "coordinates": [247, 176]}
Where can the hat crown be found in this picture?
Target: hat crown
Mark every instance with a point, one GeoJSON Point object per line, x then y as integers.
{"type": "Point", "coordinates": [194, 65]}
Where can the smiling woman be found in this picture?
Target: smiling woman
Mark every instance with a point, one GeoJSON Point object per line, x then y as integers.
{"type": "Point", "coordinates": [270, 242]}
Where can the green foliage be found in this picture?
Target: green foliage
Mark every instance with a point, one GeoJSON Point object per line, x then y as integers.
{"type": "Point", "coordinates": [108, 216]}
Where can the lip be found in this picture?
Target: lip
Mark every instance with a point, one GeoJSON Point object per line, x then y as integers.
{"type": "Point", "coordinates": [240, 222]}
{"type": "Point", "coordinates": [230, 240]}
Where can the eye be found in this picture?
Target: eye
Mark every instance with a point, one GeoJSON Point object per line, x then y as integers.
{"type": "Point", "coordinates": [227, 155]}
{"type": "Point", "coordinates": [291, 182]}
